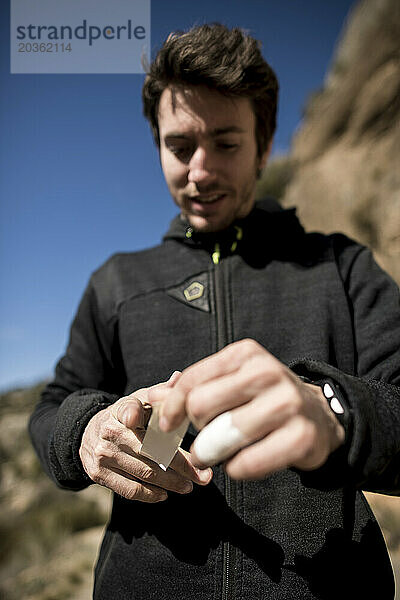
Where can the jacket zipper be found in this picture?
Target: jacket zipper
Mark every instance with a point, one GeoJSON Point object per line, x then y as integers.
{"type": "Point", "coordinates": [223, 338]}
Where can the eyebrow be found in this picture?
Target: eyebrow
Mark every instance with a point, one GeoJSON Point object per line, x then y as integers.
{"type": "Point", "coordinates": [231, 129]}
{"type": "Point", "coordinates": [214, 133]}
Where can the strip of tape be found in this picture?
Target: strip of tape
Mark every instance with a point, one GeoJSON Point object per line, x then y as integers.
{"type": "Point", "coordinates": [160, 446]}
{"type": "Point", "coordinates": [219, 440]}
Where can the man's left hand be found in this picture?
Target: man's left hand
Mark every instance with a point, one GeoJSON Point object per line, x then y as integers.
{"type": "Point", "coordinates": [284, 421]}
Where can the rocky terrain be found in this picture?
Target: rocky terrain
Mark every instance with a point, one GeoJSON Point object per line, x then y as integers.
{"type": "Point", "coordinates": [345, 158]}
{"type": "Point", "coordinates": [48, 537]}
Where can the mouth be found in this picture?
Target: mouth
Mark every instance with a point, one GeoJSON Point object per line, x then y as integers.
{"type": "Point", "coordinates": [207, 198]}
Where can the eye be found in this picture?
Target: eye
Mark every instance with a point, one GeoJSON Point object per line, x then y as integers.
{"type": "Point", "coordinates": [227, 146]}
{"type": "Point", "coordinates": [182, 152]}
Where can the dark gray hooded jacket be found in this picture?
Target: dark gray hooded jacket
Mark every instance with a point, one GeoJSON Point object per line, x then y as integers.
{"type": "Point", "coordinates": [318, 303]}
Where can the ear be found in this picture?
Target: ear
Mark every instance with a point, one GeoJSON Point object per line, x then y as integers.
{"type": "Point", "coordinates": [264, 157]}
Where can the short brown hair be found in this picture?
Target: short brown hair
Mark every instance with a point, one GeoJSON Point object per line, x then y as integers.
{"type": "Point", "coordinates": [226, 60]}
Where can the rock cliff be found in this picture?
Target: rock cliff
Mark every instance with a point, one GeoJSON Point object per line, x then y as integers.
{"type": "Point", "coordinates": [345, 158]}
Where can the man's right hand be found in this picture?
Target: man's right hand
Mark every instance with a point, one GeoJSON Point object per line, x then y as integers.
{"type": "Point", "coordinates": [110, 453]}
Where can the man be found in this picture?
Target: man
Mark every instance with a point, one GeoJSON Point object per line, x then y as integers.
{"type": "Point", "coordinates": [292, 338]}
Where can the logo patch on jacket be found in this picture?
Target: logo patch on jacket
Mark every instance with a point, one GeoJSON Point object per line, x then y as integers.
{"type": "Point", "coordinates": [193, 291]}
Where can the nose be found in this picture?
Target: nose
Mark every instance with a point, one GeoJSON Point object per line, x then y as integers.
{"type": "Point", "coordinates": [201, 167]}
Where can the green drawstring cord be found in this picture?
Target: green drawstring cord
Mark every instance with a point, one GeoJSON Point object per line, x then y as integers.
{"type": "Point", "coordinates": [216, 255]}
{"type": "Point", "coordinates": [239, 235]}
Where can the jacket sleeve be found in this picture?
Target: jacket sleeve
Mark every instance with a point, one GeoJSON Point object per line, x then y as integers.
{"type": "Point", "coordinates": [370, 457]}
{"type": "Point", "coordinates": [87, 379]}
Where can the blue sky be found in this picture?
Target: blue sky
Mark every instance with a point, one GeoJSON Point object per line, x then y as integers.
{"type": "Point", "coordinates": [80, 177]}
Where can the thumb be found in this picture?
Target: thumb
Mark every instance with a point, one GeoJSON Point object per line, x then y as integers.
{"type": "Point", "coordinates": [131, 412]}
{"type": "Point", "coordinates": [174, 378]}
{"type": "Point", "coordinates": [157, 393]}
{"type": "Point", "coordinates": [134, 410]}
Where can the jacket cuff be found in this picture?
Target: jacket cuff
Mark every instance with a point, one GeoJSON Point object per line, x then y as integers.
{"type": "Point", "coordinates": [336, 401]}
{"type": "Point", "coordinates": [339, 470]}
{"type": "Point", "coordinates": [72, 417]}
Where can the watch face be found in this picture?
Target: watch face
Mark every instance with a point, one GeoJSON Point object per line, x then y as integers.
{"type": "Point", "coordinates": [336, 402]}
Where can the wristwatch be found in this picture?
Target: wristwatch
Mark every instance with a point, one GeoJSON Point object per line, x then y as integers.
{"type": "Point", "coordinates": [335, 399]}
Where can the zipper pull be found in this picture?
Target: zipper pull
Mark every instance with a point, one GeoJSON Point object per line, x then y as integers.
{"type": "Point", "coordinates": [239, 235]}
{"type": "Point", "coordinates": [216, 255]}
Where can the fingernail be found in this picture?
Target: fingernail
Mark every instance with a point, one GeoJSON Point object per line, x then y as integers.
{"type": "Point", "coordinates": [163, 424]}
{"type": "Point", "coordinates": [187, 487]}
{"type": "Point", "coordinates": [174, 378]}
{"type": "Point", "coordinates": [204, 475]}
{"type": "Point", "coordinates": [123, 415]}
{"type": "Point", "coordinates": [162, 497]}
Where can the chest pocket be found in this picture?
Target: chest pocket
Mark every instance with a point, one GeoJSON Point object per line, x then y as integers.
{"type": "Point", "coordinates": [166, 330]}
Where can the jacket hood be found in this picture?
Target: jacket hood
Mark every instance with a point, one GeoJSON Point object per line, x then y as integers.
{"type": "Point", "coordinates": [267, 224]}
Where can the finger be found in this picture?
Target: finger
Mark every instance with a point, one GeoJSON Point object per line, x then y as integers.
{"type": "Point", "coordinates": [223, 363]}
{"type": "Point", "coordinates": [158, 394]}
{"type": "Point", "coordinates": [180, 471]}
{"type": "Point", "coordinates": [117, 449]}
{"type": "Point", "coordinates": [148, 472]}
{"type": "Point", "coordinates": [234, 429]}
{"type": "Point", "coordinates": [173, 408]}
{"type": "Point", "coordinates": [256, 375]}
{"type": "Point", "coordinates": [182, 464]}
{"type": "Point", "coordinates": [95, 456]}
{"type": "Point", "coordinates": [164, 384]}
{"type": "Point", "coordinates": [129, 488]}
{"type": "Point", "coordinates": [267, 411]}
{"type": "Point", "coordinates": [131, 412]}
{"type": "Point", "coordinates": [120, 451]}
{"type": "Point", "coordinates": [293, 445]}
{"type": "Point", "coordinates": [217, 441]}
{"type": "Point", "coordinates": [174, 378]}
{"type": "Point", "coordinates": [144, 394]}
{"type": "Point", "coordinates": [121, 448]}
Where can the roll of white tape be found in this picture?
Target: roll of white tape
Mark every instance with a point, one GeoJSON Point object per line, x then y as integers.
{"type": "Point", "coordinates": [218, 440]}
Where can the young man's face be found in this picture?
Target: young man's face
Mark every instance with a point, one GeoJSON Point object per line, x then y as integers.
{"type": "Point", "coordinates": [208, 155]}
